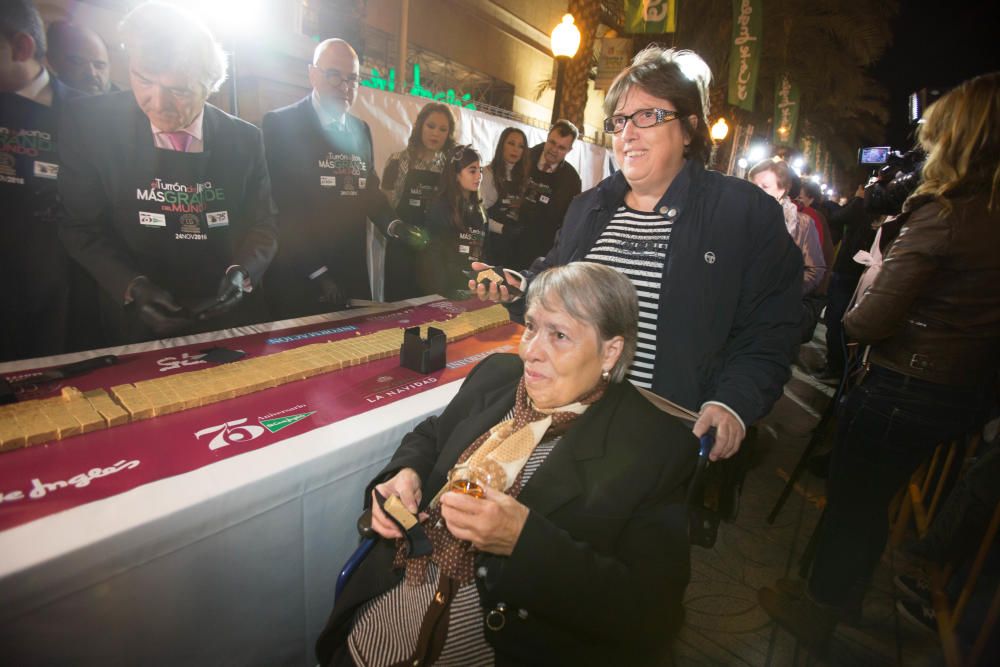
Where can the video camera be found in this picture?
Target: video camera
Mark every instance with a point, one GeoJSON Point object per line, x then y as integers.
{"type": "Point", "coordinates": [897, 178]}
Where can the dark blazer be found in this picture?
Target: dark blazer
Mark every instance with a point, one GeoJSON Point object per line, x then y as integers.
{"type": "Point", "coordinates": [106, 143]}
{"type": "Point", "coordinates": [730, 296]}
{"type": "Point", "coordinates": [319, 228]}
{"type": "Point", "coordinates": [599, 571]}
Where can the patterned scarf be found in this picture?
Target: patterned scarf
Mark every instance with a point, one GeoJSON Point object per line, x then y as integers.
{"type": "Point", "coordinates": [501, 453]}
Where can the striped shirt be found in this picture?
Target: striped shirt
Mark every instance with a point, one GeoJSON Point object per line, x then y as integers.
{"type": "Point", "coordinates": [386, 628]}
{"type": "Point", "coordinates": [636, 243]}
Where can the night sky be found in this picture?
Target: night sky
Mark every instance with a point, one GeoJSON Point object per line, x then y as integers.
{"type": "Point", "coordinates": [936, 45]}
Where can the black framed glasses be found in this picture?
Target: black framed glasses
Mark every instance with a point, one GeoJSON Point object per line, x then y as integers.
{"type": "Point", "coordinates": [335, 77]}
{"type": "Point", "coordinates": [642, 118]}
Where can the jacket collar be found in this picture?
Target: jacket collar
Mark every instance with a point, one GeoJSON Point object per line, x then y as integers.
{"type": "Point", "coordinates": [612, 190]}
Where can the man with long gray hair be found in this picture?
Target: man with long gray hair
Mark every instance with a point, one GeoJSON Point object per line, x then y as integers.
{"type": "Point", "coordinates": [168, 198]}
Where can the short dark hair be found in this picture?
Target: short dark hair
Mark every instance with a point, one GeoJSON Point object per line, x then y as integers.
{"type": "Point", "coordinates": [20, 16]}
{"type": "Point", "coordinates": [676, 75]}
{"type": "Point", "coordinates": [811, 189]}
{"type": "Point", "coordinates": [565, 129]}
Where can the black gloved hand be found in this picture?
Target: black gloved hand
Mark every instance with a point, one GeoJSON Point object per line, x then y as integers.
{"type": "Point", "coordinates": [411, 235]}
{"type": "Point", "coordinates": [330, 292]}
{"type": "Point", "coordinates": [229, 295]}
{"type": "Point", "coordinates": [156, 307]}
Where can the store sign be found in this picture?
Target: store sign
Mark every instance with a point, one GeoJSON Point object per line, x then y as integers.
{"type": "Point", "coordinates": [388, 83]}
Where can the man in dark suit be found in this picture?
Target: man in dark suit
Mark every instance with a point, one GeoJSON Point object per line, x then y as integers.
{"type": "Point", "coordinates": [79, 57]}
{"type": "Point", "coordinates": [325, 185]}
{"type": "Point", "coordinates": [167, 198]}
{"type": "Point", "coordinates": [551, 186]}
{"type": "Point", "coordinates": [38, 278]}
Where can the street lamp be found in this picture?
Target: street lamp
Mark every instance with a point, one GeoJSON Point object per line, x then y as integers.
{"type": "Point", "coordinates": [565, 42]}
{"type": "Point", "coordinates": [720, 130]}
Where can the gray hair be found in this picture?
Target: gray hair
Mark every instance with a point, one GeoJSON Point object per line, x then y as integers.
{"type": "Point", "coordinates": [677, 75]}
{"type": "Point", "coordinates": [166, 38]}
{"type": "Point", "coordinates": [21, 16]}
{"type": "Point", "coordinates": [595, 294]}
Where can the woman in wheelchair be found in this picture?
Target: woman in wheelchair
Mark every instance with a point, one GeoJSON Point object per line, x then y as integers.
{"type": "Point", "coordinates": [549, 493]}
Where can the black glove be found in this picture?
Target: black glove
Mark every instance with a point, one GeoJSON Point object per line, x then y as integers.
{"type": "Point", "coordinates": [330, 292]}
{"type": "Point", "coordinates": [411, 235]}
{"type": "Point", "coordinates": [157, 308]}
{"type": "Point", "coordinates": [229, 295]}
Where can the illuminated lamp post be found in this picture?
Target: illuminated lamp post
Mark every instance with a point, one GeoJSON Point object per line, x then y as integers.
{"type": "Point", "coordinates": [565, 42]}
{"type": "Point", "coordinates": [720, 130]}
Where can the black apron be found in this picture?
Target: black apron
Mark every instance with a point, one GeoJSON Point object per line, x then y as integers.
{"type": "Point", "coordinates": [323, 223]}
{"type": "Point", "coordinates": [175, 220]}
{"type": "Point", "coordinates": [34, 268]}
{"type": "Point", "coordinates": [533, 236]}
{"type": "Point", "coordinates": [451, 251]}
{"type": "Point", "coordinates": [401, 263]}
{"type": "Point", "coordinates": [500, 247]}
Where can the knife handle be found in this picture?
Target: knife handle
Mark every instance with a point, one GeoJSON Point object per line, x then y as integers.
{"type": "Point", "coordinates": [80, 367]}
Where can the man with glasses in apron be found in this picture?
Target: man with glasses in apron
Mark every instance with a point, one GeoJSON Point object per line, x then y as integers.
{"type": "Point", "coordinates": [167, 198]}
{"type": "Point", "coordinates": [320, 158]}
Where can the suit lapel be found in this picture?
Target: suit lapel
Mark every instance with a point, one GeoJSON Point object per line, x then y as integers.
{"type": "Point", "coordinates": [557, 481]}
{"type": "Point", "coordinates": [493, 406]}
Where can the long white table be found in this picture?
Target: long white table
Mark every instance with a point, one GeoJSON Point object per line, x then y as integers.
{"type": "Point", "coordinates": [230, 564]}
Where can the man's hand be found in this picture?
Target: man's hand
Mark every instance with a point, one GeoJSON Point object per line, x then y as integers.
{"type": "Point", "coordinates": [405, 485]}
{"type": "Point", "coordinates": [229, 294]}
{"type": "Point", "coordinates": [729, 433]}
{"type": "Point", "coordinates": [497, 295]}
{"type": "Point", "coordinates": [156, 307]}
{"type": "Point", "coordinates": [492, 523]}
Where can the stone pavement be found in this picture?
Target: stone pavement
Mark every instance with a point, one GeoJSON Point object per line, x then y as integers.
{"type": "Point", "coordinates": [724, 624]}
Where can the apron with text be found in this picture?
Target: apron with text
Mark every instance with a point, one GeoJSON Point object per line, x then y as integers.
{"type": "Point", "coordinates": [401, 263]}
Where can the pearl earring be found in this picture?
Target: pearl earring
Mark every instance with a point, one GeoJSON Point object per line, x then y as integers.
{"type": "Point", "coordinates": [606, 375]}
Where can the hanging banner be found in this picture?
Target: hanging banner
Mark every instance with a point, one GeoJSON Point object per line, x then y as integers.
{"type": "Point", "coordinates": [744, 58]}
{"type": "Point", "coordinates": [786, 111]}
{"type": "Point", "coordinates": [651, 16]}
{"type": "Point", "coordinates": [807, 146]}
{"type": "Point", "coordinates": [615, 54]}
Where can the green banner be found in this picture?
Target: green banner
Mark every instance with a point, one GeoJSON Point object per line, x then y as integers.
{"type": "Point", "coordinates": [653, 16]}
{"type": "Point", "coordinates": [808, 148]}
{"type": "Point", "coordinates": [786, 111]}
{"type": "Point", "coordinates": [744, 58]}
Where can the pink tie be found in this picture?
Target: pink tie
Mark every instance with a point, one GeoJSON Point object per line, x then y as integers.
{"type": "Point", "coordinates": [179, 140]}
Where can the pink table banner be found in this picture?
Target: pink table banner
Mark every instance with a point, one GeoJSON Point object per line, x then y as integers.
{"type": "Point", "coordinates": [41, 480]}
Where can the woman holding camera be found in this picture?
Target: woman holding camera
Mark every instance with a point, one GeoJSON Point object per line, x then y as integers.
{"type": "Point", "coordinates": [932, 321]}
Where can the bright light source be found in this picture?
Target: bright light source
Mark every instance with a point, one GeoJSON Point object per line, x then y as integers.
{"type": "Point", "coordinates": [757, 153]}
{"type": "Point", "coordinates": [742, 163]}
{"type": "Point", "coordinates": [565, 38]}
{"type": "Point", "coordinates": [814, 178]}
{"type": "Point", "coordinates": [237, 18]}
{"type": "Point", "coordinates": [720, 130]}
{"type": "Point", "coordinates": [798, 163]}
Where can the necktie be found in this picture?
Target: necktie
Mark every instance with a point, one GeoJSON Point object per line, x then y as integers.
{"type": "Point", "coordinates": [179, 140]}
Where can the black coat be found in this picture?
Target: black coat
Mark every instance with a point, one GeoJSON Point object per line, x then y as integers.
{"type": "Point", "coordinates": [323, 222]}
{"type": "Point", "coordinates": [601, 565]}
{"type": "Point", "coordinates": [108, 167]}
{"type": "Point", "coordinates": [546, 199]}
{"type": "Point", "coordinates": [730, 298]}
{"type": "Point", "coordinates": [43, 286]}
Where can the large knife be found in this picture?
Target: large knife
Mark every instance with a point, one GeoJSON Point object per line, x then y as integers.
{"type": "Point", "coordinates": [10, 388]}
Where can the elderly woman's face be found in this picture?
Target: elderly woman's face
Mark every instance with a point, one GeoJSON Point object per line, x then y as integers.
{"type": "Point", "coordinates": [563, 358]}
{"type": "Point", "coordinates": [648, 156]}
{"type": "Point", "coordinates": [171, 100]}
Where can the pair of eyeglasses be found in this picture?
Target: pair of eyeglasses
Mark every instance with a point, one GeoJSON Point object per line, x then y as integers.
{"type": "Point", "coordinates": [335, 77]}
{"type": "Point", "coordinates": [642, 118]}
